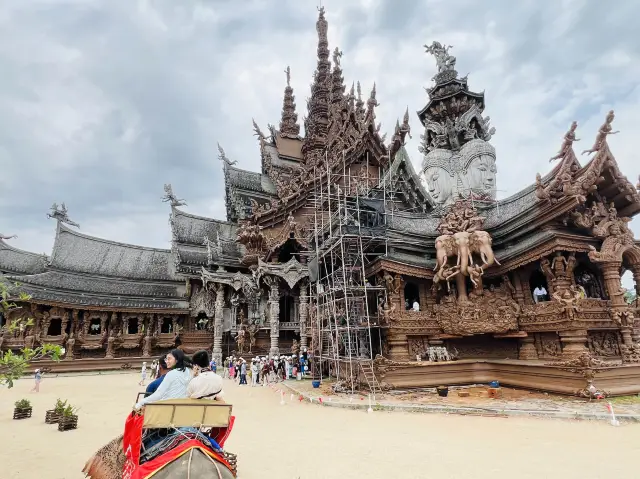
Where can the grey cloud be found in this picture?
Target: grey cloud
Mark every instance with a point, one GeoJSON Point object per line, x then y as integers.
{"type": "Point", "coordinates": [101, 103]}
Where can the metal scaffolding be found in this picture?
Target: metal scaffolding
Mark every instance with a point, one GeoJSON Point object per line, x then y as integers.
{"type": "Point", "coordinates": [347, 213]}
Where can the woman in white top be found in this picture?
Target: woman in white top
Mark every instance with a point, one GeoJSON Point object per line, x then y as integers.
{"type": "Point", "coordinates": [205, 384]}
{"type": "Point", "coordinates": [174, 385]}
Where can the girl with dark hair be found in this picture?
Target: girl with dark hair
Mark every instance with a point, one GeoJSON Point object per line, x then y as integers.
{"type": "Point", "coordinates": [205, 384]}
{"type": "Point", "coordinates": [174, 385]}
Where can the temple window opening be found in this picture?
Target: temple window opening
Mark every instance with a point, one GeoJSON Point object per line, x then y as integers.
{"type": "Point", "coordinates": [539, 289]}
{"type": "Point", "coordinates": [55, 327]}
{"type": "Point", "coordinates": [132, 326]}
{"type": "Point", "coordinates": [167, 326]}
{"type": "Point", "coordinates": [411, 294]}
{"type": "Point", "coordinates": [94, 327]}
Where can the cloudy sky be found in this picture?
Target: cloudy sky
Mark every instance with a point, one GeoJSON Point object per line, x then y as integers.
{"type": "Point", "coordinates": [104, 101]}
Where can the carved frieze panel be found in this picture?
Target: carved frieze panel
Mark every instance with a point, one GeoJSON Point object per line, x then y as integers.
{"type": "Point", "coordinates": [548, 345]}
{"type": "Point", "coordinates": [604, 343]}
{"type": "Point", "coordinates": [291, 272]}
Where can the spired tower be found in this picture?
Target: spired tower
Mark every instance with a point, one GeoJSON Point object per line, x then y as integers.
{"type": "Point", "coordinates": [458, 160]}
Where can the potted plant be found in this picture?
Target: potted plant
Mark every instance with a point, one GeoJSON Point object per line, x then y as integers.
{"type": "Point", "coordinates": [443, 391]}
{"type": "Point", "coordinates": [69, 418]}
{"type": "Point", "coordinates": [54, 415]}
{"type": "Point", "coordinates": [22, 409]}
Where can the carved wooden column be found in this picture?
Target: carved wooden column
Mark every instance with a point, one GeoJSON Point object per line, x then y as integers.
{"type": "Point", "coordinates": [574, 343]}
{"type": "Point", "coordinates": [526, 287]}
{"type": "Point", "coordinates": [304, 312]}
{"type": "Point", "coordinates": [274, 314]}
{"type": "Point", "coordinates": [424, 293]}
{"type": "Point", "coordinates": [613, 286]}
{"type": "Point", "coordinates": [527, 348]}
{"type": "Point", "coordinates": [218, 321]}
{"type": "Point", "coordinates": [112, 336]}
{"type": "Point", "coordinates": [519, 295]}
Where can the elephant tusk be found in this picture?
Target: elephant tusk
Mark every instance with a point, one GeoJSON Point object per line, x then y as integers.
{"type": "Point", "coordinates": [496, 260]}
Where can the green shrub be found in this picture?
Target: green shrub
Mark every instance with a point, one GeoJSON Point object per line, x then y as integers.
{"type": "Point", "coordinates": [23, 404]}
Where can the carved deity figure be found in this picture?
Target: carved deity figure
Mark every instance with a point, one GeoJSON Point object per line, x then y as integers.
{"type": "Point", "coordinates": [604, 131]}
{"type": "Point", "coordinates": [252, 330]}
{"type": "Point", "coordinates": [569, 298]}
{"type": "Point", "coordinates": [295, 348]}
{"type": "Point", "coordinates": [559, 264]}
{"type": "Point", "coordinates": [569, 138]}
{"type": "Point", "coordinates": [479, 168]}
{"type": "Point", "coordinates": [61, 214]}
{"type": "Point", "coordinates": [240, 339]}
{"type": "Point", "coordinates": [444, 61]}
{"type": "Point", "coordinates": [169, 197]}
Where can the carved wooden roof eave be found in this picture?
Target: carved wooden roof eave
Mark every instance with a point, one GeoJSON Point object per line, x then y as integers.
{"type": "Point", "coordinates": [118, 309]}
{"type": "Point", "coordinates": [535, 217]}
{"type": "Point", "coordinates": [292, 272]}
{"type": "Point", "coordinates": [235, 280]}
{"type": "Point", "coordinates": [393, 266]}
{"type": "Point", "coordinates": [557, 241]}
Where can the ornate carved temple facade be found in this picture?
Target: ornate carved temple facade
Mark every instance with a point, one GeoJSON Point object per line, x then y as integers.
{"type": "Point", "coordinates": [470, 262]}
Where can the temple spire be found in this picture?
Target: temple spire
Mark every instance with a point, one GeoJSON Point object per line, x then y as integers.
{"type": "Point", "coordinates": [359, 104]}
{"type": "Point", "coordinates": [289, 127]}
{"type": "Point", "coordinates": [372, 103]}
{"type": "Point", "coordinates": [318, 105]}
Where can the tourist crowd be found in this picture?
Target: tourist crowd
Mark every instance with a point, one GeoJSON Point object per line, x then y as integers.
{"type": "Point", "coordinates": [263, 370]}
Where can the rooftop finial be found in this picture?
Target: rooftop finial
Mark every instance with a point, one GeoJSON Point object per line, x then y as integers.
{"type": "Point", "coordinates": [567, 144]}
{"type": "Point", "coordinates": [289, 127]}
{"type": "Point", "coordinates": [223, 157]}
{"type": "Point", "coordinates": [3, 237]}
{"type": "Point", "coordinates": [169, 197]}
{"type": "Point", "coordinates": [604, 130]}
{"type": "Point", "coordinates": [61, 214]}
{"type": "Point", "coordinates": [444, 61]}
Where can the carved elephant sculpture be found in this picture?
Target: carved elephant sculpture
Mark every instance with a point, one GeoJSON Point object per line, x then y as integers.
{"type": "Point", "coordinates": [480, 242]}
{"type": "Point", "coordinates": [463, 244]}
{"type": "Point", "coordinates": [445, 247]}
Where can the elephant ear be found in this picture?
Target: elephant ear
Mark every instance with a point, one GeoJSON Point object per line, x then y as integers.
{"type": "Point", "coordinates": [449, 242]}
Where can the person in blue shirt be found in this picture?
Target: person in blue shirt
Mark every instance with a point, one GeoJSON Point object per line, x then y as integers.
{"type": "Point", "coordinates": [213, 366]}
{"type": "Point", "coordinates": [153, 385]}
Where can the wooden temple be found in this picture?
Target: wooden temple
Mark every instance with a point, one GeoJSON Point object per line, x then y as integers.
{"type": "Point", "coordinates": [338, 247]}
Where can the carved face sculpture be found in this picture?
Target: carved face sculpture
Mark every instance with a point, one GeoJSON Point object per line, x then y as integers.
{"type": "Point", "coordinates": [439, 184]}
{"type": "Point", "coordinates": [479, 167]}
{"type": "Point", "coordinates": [436, 168]}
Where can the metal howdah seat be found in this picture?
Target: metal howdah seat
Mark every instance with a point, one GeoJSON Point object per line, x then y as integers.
{"type": "Point", "coordinates": [198, 413]}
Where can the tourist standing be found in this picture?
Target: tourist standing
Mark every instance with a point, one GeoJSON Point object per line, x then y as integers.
{"type": "Point", "coordinates": [243, 372]}
{"type": "Point", "coordinates": [38, 378]}
{"type": "Point", "coordinates": [232, 369]}
{"type": "Point", "coordinates": [254, 373]}
{"type": "Point", "coordinates": [143, 374]}
{"type": "Point", "coordinates": [213, 366]}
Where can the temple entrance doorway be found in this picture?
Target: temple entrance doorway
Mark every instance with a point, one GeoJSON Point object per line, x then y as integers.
{"type": "Point", "coordinates": [201, 322]}
{"type": "Point", "coordinates": [167, 325]}
{"type": "Point", "coordinates": [286, 309]}
{"type": "Point", "coordinates": [55, 327]}
{"type": "Point", "coordinates": [411, 295]}
{"type": "Point", "coordinates": [538, 281]}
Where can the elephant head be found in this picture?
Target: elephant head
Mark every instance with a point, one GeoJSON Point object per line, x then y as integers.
{"type": "Point", "coordinates": [480, 242]}
{"type": "Point", "coordinates": [464, 254]}
{"type": "Point", "coordinates": [445, 247]}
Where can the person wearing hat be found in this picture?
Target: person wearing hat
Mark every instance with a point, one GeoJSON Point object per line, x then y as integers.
{"type": "Point", "coordinates": [243, 372]}
{"type": "Point", "coordinates": [254, 373]}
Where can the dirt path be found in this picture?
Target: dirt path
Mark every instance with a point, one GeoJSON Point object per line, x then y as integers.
{"type": "Point", "coordinates": [309, 442]}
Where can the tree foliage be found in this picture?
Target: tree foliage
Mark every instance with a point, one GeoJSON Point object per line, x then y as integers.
{"type": "Point", "coordinates": [13, 365]}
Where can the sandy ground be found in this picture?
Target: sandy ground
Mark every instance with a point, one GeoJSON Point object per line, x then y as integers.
{"type": "Point", "coordinates": [301, 440]}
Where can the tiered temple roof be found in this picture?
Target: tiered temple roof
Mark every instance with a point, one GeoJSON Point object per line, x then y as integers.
{"type": "Point", "coordinates": [93, 272]}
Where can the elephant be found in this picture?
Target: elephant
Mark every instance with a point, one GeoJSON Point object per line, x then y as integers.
{"type": "Point", "coordinates": [445, 247]}
{"type": "Point", "coordinates": [480, 242]}
{"type": "Point", "coordinates": [462, 239]}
